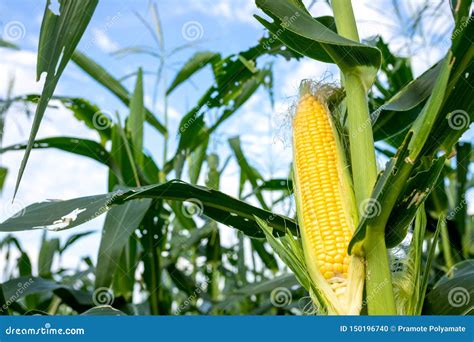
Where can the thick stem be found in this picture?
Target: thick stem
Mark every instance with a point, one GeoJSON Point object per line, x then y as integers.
{"type": "Point", "coordinates": [380, 298]}
{"type": "Point", "coordinates": [345, 20]}
{"type": "Point", "coordinates": [448, 258]}
{"type": "Point", "coordinates": [364, 167]}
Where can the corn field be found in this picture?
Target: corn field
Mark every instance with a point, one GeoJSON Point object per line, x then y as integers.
{"type": "Point", "coordinates": [371, 217]}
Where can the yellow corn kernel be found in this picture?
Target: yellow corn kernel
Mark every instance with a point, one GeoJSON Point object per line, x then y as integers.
{"type": "Point", "coordinates": [322, 191]}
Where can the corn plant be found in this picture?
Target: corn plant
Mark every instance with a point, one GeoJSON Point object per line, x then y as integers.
{"type": "Point", "coordinates": [364, 241]}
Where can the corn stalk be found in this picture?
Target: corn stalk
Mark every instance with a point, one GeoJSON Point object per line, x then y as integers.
{"type": "Point", "coordinates": [380, 298]}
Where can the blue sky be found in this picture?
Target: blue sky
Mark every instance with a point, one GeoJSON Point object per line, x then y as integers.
{"type": "Point", "coordinates": [223, 26]}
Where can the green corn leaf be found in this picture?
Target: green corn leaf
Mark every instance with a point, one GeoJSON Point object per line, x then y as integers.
{"type": "Point", "coordinates": [136, 119]}
{"type": "Point", "coordinates": [376, 211]}
{"type": "Point", "coordinates": [103, 310]}
{"type": "Point", "coordinates": [3, 303]}
{"type": "Point", "coordinates": [8, 45]}
{"type": "Point", "coordinates": [295, 27]}
{"type": "Point", "coordinates": [427, 268]}
{"type": "Point", "coordinates": [58, 215]}
{"type": "Point", "coordinates": [192, 128]}
{"type": "Point", "coordinates": [399, 112]}
{"type": "Point", "coordinates": [124, 175]}
{"type": "Point", "coordinates": [83, 110]}
{"type": "Point", "coordinates": [120, 223]}
{"type": "Point", "coordinates": [453, 294]}
{"type": "Point", "coordinates": [417, 188]}
{"type": "Point", "coordinates": [103, 77]}
{"type": "Point", "coordinates": [182, 220]}
{"type": "Point", "coordinates": [48, 250]}
{"type": "Point", "coordinates": [127, 153]}
{"type": "Point", "coordinates": [414, 92]}
{"type": "Point", "coordinates": [3, 176]}
{"type": "Point", "coordinates": [79, 146]}
{"type": "Point", "coordinates": [78, 300]}
{"type": "Point", "coordinates": [198, 61]}
{"type": "Point", "coordinates": [235, 84]}
{"type": "Point", "coordinates": [59, 37]}
{"type": "Point", "coordinates": [91, 115]}
{"type": "Point", "coordinates": [463, 158]}
{"type": "Point", "coordinates": [124, 280]}
{"type": "Point", "coordinates": [24, 265]}
{"type": "Point", "coordinates": [263, 287]}
{"type": "Point", "coordinates": [268, 258]}
{"type": "Point", "coordinates": [180, 244]}
{"type": "Point", "coordinates": [196, 159]}
{"type": "Point", "coordinates": [250, 173]}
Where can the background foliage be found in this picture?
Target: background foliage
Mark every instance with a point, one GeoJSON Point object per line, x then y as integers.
{"type": "Point", "coordinates": [162, 248]}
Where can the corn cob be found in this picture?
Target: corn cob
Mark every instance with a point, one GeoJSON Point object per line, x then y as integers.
{"type": "Point", "coordinates": [325, 204]}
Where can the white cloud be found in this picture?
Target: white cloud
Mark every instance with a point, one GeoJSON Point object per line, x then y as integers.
{"type": "Point", "coordinates": [49, 173]}
{"type": "Point", "coordinates": [54, 174]}
{"type": "Point", "coordinates": [21, 66]}
{"type": "Point", "coordinates": [102, 40]}
{"type": "Point", "coordinates": [236, 10]}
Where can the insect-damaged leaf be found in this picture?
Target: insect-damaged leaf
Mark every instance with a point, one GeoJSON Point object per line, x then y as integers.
{"type": "Point", "coordinates": [217, 205]}
{"type": "Point", "coordinates": [59, 37]}
{"type": "Point", "coordinates": [297, 29]}
{"type": "Point", "coordinates": [417, 189]}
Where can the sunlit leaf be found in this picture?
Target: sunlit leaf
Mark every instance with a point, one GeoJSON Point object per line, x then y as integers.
{"type": "Point", "coordinates": [59, 37]}
{"type": "Point", "coordinates": [103, 77]}
{"type": "Point", "coordinates": [198, 61]}
{"type": "Point", "coordinates": [295, 27]}
{"type": "Point", "coordinates": [136, 119]}
{"type": "Point", "coordinates": [223, 208]}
